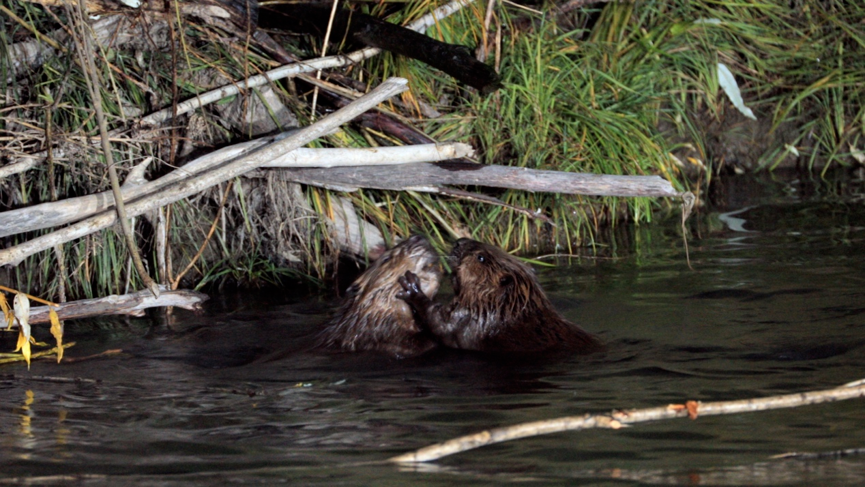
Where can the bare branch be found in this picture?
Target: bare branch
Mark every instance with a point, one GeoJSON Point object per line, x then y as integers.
{"type": "Point", "coordinates": [53, 214]}
{"type": "Point", "coordinates": [201, 182]}
{"type": "Point", "coordinates": [128, 304]}
{"type": "Point", "coordinates": [108, 25]}
{"type": "Point", "coordinates": [296, 68]}
{"type": "Point", "coordinates": [617, 419]}
{"type": "Point", "coordinates": [422, 177]}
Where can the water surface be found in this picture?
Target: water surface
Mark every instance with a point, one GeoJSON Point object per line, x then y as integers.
{"type": "Point", "coordinates": [774, 304]}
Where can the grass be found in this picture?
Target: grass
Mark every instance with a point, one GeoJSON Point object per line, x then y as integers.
{"type": "Point", "coordinates": [633, 84]}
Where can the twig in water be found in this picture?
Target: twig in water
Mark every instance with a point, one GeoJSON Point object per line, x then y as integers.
{"type": "Point", "coordinates": [59, 380]}
{"type": "Point", "coordinates": [17, 357]}
{"type": "Point", "coordinates": [618, 419]}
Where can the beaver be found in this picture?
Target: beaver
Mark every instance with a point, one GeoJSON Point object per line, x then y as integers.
{"type": "Point", "coordinates": [498, 306]}
{"type": "Point", "coordinates": [372, 318]}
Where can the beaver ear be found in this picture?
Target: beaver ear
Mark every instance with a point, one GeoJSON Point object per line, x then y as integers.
{"type": "Point", "coordinates": [505, 281]}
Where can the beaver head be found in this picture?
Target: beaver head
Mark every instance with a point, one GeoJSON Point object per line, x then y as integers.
{"type": "Point", "coordinates": [494, 284]}
{"type": "Point", "coordinates": [499, 306]}
{"type": "Point", "coordinates": [377, 287]}
{"type": "Point", "coordinates": [372, 317]}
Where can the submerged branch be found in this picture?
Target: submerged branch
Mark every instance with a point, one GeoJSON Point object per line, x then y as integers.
{"type": "Point", "coordinates": [618, 418]}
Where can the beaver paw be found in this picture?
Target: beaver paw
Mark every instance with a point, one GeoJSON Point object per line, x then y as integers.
{"type": "Point", "coordinates": [411, 287]}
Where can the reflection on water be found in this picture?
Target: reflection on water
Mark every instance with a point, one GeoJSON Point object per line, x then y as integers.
{"type": "Point", "coordinates": [236, 396]}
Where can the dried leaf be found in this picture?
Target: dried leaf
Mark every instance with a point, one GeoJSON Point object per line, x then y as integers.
{"type": "Point", "coordinates": [693, 408]}
{"type": "Point", "coordinates": [57, 331]}
{"type": "Point", "coordinates": [24, 346]}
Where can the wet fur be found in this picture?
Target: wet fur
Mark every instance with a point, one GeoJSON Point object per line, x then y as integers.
{"type": "Point", "coordinates": [372, 318]}
{"type": "Point", "coordinates": [498, 306]}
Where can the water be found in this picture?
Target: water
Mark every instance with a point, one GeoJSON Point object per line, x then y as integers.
{"type": "Point", "coordinates": [775, 304]}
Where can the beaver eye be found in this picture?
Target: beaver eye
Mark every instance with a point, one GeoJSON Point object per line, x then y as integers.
{"type": "Point", "coordinates": [481, 258]}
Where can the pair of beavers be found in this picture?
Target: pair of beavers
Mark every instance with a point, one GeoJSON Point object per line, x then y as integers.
{"type": "Point", "coordinates": [498, 305]}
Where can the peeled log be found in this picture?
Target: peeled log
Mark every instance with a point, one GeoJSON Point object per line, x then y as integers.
{"type": "Point", "coordinates": [423, 176]}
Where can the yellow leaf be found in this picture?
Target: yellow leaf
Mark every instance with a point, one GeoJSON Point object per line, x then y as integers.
{"type": "Point", "coordinates": [7, 313]}
{"type": "Point", "coordinates": [22, 313]}
{"type": "Point", "coordinates": [57, 331]}
{"type": "Point", "coordinates": [24, 346]}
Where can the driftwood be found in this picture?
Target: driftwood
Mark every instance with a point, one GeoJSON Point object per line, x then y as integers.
{"type": "Point", "coordinates": [126, 304]}
{"type": "Point", "coordinates": [57, 213]}
{"type": "Point", "coordinates": [377, 169]}
{"type": "Point", "coordinates": [621, 418]}
{"type": "Point", "coordinates": [379, 120]}
{"type": "Point", "coordinates": [429, 177]}
{"type": "Point", "coordinates": [210, 178]}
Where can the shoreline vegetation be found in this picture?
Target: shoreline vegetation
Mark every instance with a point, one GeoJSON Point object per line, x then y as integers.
{"type": "Point", "coordinates": [613, 89]}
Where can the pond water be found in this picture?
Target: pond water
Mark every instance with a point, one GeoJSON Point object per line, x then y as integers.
{"type": "Point", "coordinates": [774, 304]}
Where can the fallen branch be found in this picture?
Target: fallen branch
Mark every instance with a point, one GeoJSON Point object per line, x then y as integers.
{"type": "Point", "coordinates": [210, 178]}
{"type": "Point", "coordinates": [294, 69]}
{"type": "Point", "coordinates": [617, 419]}
{"type": "Point", "coordinates": [371, 171]}
{"type": "Point", "coordinates": [132, 304]}
{"type": "Point", "coordinates": [106, 25]}
{"type": "Point", "coordinates": [54, 214]}
{"type": "Point", "coordinates": [426, 177]}
{"type": "Point", "coordinates": [323, 22]}
{"type": "Point", "coordinates": [377, 156]}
